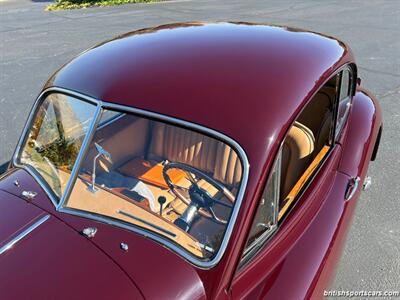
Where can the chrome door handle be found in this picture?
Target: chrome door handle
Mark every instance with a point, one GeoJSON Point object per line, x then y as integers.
{"type": "Point", "coordinates": [352, 187]}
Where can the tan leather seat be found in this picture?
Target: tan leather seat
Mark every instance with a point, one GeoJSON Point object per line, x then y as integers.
{"type": "Point", "coordinates": [297, 153]}
{"type": "Point", "coordinates": [318, 114]}
{"type": "Point", "coordinates": [205, 153]}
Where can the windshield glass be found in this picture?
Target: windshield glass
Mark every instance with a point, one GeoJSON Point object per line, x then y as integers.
{"type": "Point", "coordinates": [55, 138]}
{"type": "Point", "coordinates": [171, 181]}
{"type": "Point", "coordinates": [163, 180]}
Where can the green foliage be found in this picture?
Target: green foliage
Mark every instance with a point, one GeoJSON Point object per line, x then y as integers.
{"type": "Point", "coordinates": [72, 4]}
{"type": "Point", "coordinates": [62, 153]}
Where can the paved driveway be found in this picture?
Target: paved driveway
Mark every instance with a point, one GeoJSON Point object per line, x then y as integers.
{"type": "Point", "coordinates": [34, 43]}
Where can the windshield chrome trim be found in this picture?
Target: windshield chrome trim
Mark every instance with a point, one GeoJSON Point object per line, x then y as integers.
{"type": "Point", "coordinates": [112, 120]}
{"type": "Point", "coordinates": [23, 234]}
{"type": "Point", "coordinates": [161, 239]}
{"type": "Point", "coordinates": [82, 153]}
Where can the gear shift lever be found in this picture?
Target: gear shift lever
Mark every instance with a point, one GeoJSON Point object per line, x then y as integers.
{"type": "Point", "coordinates": [161, 200]}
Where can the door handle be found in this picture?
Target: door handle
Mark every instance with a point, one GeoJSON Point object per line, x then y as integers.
{"type": "Point", "coordinates": [352, 187]}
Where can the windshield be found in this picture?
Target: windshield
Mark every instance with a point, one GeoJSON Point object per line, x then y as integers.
{"type": "Point", "coordinates": [138, 173]}
{"type": "Point", "coordinates": [54, 140]}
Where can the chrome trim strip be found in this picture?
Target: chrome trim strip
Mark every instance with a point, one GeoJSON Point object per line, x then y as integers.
{"type": "Point", "coordinates": [278, 165]}
{"type": "Point", "coordinates": [124, 213]}
{"type": "Point", "coordinates": [23, 234]}
{"type": "Point", "coordinates": [257, 245]}
{"type": "Point", "coordinates": [339, 127]}
{"type": "Point", "coordinates": [184, 253]}
{"type": "Point", "coordinates": [112, 120]}
{"type": "Point", "coordinates": [82, 153]}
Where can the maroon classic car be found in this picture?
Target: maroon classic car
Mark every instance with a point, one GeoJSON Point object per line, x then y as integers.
{"type": "Point", "coordinates": [189, 161]}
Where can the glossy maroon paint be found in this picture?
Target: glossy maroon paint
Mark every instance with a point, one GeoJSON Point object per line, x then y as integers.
{"type": "Point", "coordinates": [23, 215]}
{"type": "Point", "coordinates": [248, 82]}
{"type": "Point", "coordinates": [54, 261]}
{"type": "Point", "coordinates": [361, 133]}
{"type": "Point", "coordinates": [167, 269]}
{"type": "Point", "coordinates": [218, 75]}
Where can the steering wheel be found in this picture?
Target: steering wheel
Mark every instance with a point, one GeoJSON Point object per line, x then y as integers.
{"type": "Point", "coordinates": [199, 201]}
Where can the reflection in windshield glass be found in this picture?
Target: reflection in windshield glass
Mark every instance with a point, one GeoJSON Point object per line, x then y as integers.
{"type": "Point", "coordinates": [55, 138]}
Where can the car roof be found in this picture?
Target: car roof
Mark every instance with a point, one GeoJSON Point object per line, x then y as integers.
{"type": "Point", "coordinates": [247, 81]}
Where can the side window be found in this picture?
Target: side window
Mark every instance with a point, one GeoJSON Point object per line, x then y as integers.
{"type": "Point", "coordinates": [304, 149]}
{"type": "Point", "coordinates": [344, 99]}
{"type": "Point", "coordinates": [266, 218]}
{"type": "Point", "coordinates": [307, 144]}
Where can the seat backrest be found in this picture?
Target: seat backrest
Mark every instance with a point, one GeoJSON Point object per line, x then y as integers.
{"type": "Point", "coordinates": [297, 153]}
{"type": "Point", "coordinates": [189, 147]}
{"type": "Point", "coordinates": [318, 115]}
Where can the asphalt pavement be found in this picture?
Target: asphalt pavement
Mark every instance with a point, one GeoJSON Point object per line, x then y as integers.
{"type": "Point", "coordinates": [34, 43]}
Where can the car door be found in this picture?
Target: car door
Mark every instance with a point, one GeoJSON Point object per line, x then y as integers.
{"type": "Point", "coordinates": [297, 259]}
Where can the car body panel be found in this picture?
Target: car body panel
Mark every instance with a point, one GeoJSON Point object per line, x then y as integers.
{"type": "Point", "coordinates": [109, 239]}
{"type": "Point", "coordinates": [17, 180]}
{"type": "Point", "coordinates": [300, 244]}
{"type": "Point", "coordinates": [150, 265]}
{"type": "Point", "coordinates": [43, 266]}
{"type": "Point", "coordinates": [362, 131]}
{"type": "Point", "coordinates": [22, 214]}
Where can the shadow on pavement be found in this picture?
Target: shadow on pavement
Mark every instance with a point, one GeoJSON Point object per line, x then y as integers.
{"type": "Point", "coordinates": [3, 167]}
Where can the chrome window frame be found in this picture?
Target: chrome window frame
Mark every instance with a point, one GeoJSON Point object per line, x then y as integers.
{"type": "Point", "coordinates": [110, 121]}
{"type": "Point", "coordinates": [257, 244]}
{"type": "Point", "coordinates": [101, 105]}
{"type": "Point", "coordinates": [339, 126]}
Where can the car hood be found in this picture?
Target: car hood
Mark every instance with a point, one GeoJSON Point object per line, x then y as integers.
{"type": "Point", "coordinates": [157, 271]}
{"type": "Point", "coordinates": [43, 258]}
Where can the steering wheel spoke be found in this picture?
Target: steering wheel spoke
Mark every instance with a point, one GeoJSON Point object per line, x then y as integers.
{"type": "Point", "coordinates": [222, 203]}
{"type": "Point", "coordinates": [212, 212]}
{"type": "Point", "coordinates": [191, 178]}
{"type": "Point", "coordinates": [194, 194]}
